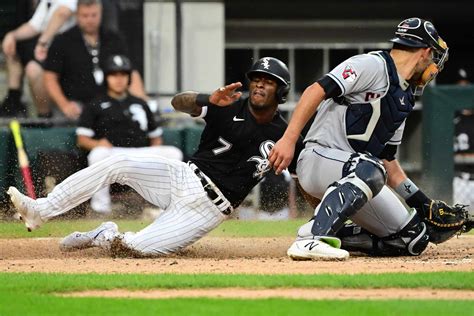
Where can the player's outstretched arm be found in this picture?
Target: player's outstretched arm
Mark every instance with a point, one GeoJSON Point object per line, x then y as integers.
{"type": "Point", "coordinates": [191, 102]}
{"type": "Point", "coordinates": [186, 102]}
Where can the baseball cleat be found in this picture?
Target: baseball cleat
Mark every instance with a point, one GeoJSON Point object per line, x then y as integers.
{"type": "Point", "coordinates": [99, 237]}
{"type": "Point", "coordinates": [24, 205]}
{"type": "Point", "coordinates": [315, 249]}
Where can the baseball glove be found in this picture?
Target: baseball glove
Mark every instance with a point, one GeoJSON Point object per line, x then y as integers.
{"type": "Point", "coordinates": [444, 221]}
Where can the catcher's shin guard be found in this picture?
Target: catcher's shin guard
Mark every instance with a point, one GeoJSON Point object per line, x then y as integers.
{"type": "Point", "coordinates": [340, 202]}
{"type": "Point", "coordinates": [348, 195]}
{"type": "Point", "coordinates": [412, 240]}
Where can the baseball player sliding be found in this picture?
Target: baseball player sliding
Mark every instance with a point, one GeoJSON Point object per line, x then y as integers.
{"type": "Point", "coordinates": [197, 196]}
{"type": "Point", "coordinates": [349, 157]}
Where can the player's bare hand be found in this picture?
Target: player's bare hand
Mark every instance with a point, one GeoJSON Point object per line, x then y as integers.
{"type": "Point", "coordinates": [72, 110]}
{"type": "Point", "coordinates": [281, 155]}
{"type": "Point", "coordinates": [226, 95]}
{"type": "Point", "coordinates": [41, 52]}
{"type": "Point", "coordinates": [9, 45]}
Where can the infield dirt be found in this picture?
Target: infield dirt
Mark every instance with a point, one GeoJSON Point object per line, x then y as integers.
{"type": "Point", "coordinates": [226, 255]}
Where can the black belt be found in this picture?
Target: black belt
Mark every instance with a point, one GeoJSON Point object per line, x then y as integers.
{"type": "Point", "coordinates": [213, 196]}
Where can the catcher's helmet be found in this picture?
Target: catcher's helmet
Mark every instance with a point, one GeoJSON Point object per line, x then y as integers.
{"type": "Point", "coordinates": [416, 32]}
{"type": "Point", "coordinates": [278, 70]}
{"type": "Point", "coordinates": [117, 63]}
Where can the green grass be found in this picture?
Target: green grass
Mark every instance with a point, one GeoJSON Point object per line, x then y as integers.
{"type": "Point", "coordinates": [31, 294]}
{"type": "Point", "coordinates": [47, 305]}
{"type": "Point", "coordinates": [230, 228]}
{"type": "Point", "coordinates": [47, 283]}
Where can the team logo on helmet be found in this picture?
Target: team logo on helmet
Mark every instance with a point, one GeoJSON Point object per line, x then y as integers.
{"type": "Point", "coordinates": [349, 74]}
{"type": "Point", "coordinates": [265, 63]}
{"type": "Point", "coordinates": [118, 61]}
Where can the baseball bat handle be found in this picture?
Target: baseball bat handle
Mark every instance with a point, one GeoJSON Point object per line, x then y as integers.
{"type": "Point", "coordinates": [15, 128]}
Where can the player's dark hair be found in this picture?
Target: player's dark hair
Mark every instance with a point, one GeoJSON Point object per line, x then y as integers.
{"type": "Point", "coordinates": [405, 48]}
{"type": "Point", "coordinates": [88, 2]}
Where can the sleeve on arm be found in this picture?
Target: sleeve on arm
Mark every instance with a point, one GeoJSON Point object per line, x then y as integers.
{"type": "Point", "coordinates": [154, 130]}
{"type": "Point", "coordinates": [389, 152]}
{"type": "Point", "coordinates": [330, 86]}
{"type": "Point", "coordinates": [397, 137]}
{"type": "Point", "coordinates": [70, 4]}
{"type": "Point", "coordinates": [38, 17]}
{"type": "Point", "coordinates": [55, 60]}
{"type": "Point", "coordinates": [86, 121]}
{"type": "Point", "coordinates": [357, 73]}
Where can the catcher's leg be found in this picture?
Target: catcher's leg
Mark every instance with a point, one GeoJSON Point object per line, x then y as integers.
{"type": "Point", "coordinates": [412, 240]}
{"type": "Point", "coordinates": [364, 177]}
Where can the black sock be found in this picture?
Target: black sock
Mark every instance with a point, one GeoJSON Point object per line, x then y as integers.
{"type": "Point", "coordinates": [14, 94]}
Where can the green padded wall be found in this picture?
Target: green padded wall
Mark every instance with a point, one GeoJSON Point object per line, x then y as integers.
{"type": "Point", "coordinates": [439, 105]}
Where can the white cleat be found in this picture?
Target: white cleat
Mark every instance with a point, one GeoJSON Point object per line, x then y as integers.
{"type": "Point", "coordinates": [24, 205]}
{"type": "Point", "coordinates": [99, 237]}
{"type": "Point", "coordinates": [317, 249]}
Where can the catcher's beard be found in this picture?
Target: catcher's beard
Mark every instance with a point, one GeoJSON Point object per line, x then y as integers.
{"type": "Point", "coordinates": [426, 76]}
{"type": "Point", "coordinates": [420, 82]}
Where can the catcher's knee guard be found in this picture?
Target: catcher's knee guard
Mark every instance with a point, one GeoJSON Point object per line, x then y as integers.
{"type": "Point", "coordinates": [412, 240]}
{"type": "Point", "coordinates": [364, 177]}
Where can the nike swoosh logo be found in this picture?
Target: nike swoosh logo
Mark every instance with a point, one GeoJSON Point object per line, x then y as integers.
{"type": "Point", "coordinates": [105, 105]}
{"type": "Point", "coordinates": [236, 119]}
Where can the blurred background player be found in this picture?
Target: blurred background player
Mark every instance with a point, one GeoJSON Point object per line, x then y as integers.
{"type": "Point", "coordinates": [26, 48]}
{"type": "Point", "coordinates": [118, 122]}
{"type": "Point", "coordinates": [74, 67]}
{"type": "Point", "coordinates": [463, 181]}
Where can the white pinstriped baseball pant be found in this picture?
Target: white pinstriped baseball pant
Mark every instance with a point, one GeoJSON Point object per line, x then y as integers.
{"type": "Point", "coordinates": [170, 184]}
{"type": "Point", "coordinates": [100, 201]}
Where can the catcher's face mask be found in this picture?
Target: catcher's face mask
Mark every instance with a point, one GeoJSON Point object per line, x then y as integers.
{"type": "Point", "coordinates": [439, 54]}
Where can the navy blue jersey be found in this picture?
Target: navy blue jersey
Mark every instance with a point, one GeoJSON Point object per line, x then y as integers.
{"type": "Point", "coordinates": [234, 148]}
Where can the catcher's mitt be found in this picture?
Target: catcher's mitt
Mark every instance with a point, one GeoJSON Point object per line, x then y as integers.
{"type": "Point", "coordinates": [444, 221]}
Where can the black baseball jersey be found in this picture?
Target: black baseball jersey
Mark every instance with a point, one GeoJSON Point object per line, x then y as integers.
{"type": "Point", "coordinates": [234, 149]}
{"type": "Point", "coordinates": [125, 123]}
{"type": "Point", "coordinates": [464, 138]}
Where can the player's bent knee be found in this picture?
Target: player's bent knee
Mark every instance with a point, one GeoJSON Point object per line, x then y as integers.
{"type": "Point", "coordinates": [98, 154]}
{"type": "Point", "coordinates": [372, 175]}
{"type": "Point", "coordinates": [33, 70]}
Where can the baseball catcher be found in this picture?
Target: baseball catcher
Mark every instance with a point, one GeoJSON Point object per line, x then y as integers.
{"type": "Point", "coordinates": [349, 161]}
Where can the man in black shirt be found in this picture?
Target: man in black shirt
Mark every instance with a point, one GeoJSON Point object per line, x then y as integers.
{"type": "Point", "coordinates": [73, 68]}
{"type": "Point", "coordinates": [118, 122]}
{"type": "Point", "coordinates": [196, 197]}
